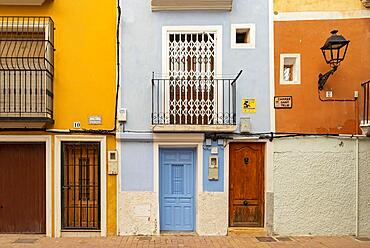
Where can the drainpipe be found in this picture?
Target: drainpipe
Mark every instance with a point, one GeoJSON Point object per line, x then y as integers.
{"type": "Point", "coordinates": [357, 185]}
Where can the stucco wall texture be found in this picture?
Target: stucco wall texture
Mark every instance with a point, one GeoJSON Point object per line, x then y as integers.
{"type": "Point", "coordinates": [364, 189]}
{"type": "Point", "coordinates": [212, 213]}
{"type": "Point", "coordinates": [135, 221]}
{"type": "Point", "coordinates": [315, 186]}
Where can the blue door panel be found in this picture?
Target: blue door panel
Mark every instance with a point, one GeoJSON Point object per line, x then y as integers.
{"type": "Point", "coordinates": [177, 172]}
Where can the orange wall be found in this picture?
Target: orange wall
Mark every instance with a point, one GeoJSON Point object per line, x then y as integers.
{"type": "Point", "coordinates": [309, 114]}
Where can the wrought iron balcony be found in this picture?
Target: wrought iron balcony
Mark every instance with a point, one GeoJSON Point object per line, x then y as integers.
{"type": "Point", "coordinates": [26, 72]}
{"type": "Point", "coordinates": [194, 104]}
{"type": "Point", "coordinates": [365, 123]}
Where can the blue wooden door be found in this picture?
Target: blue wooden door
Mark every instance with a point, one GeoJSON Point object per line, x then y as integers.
{"type": "Point", "coordinates": [177, 175]}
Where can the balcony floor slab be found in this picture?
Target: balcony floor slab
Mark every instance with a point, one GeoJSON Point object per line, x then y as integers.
{"type": "Point", "coordinates": [194, 128]}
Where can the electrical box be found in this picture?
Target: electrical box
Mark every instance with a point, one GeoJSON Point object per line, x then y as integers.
{"type": "Point", "coordinates": [355, 94]}
{"type": "Point", "coordinates": [122, 115]}
{"type": "Point", "coordinates": [213, 168]}
{"type": "Point", "coordinates": [329, 94]}
{"type": "Point", "coordinates": [245, 125]}
{"type": "Point", "coordinates": [112, 163]}
{"type": "Point", "coordinates": [214, 150]}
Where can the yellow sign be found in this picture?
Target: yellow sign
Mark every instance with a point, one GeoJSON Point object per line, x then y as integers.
{"type": "Point", "coordinates": [249, 105]}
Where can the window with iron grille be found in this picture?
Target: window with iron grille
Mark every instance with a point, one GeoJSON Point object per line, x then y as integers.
{"type": "Point", "coordinates": [26, 67]}
{"type": "Point", "coordinates": [191, 92]}
{"type": "Point", "coordinates": [191, 56]}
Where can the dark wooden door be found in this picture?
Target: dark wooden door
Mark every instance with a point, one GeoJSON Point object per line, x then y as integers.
{"type": "Point", "coordinates": [81, 185]}
{"type": "Point", "coordinates": [22, 188]}
{"type": "Point", "coordinates": [246, 202]}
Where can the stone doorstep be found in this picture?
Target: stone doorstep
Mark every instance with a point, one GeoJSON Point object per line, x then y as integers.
{"type": "Point", "coordinates": [179, 233]}
{"type": "Point", "coordinates": [246, 231]}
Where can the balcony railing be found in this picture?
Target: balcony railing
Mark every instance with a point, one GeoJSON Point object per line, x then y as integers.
{"type": "Point", "coordinates": [26, 69]}
{"type": "Point", "coordinates": [366, 113]}
{"type": "Point", "coordinates": [194, 101]}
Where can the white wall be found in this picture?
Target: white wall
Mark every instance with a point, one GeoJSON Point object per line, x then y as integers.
{"type": "Point", "coordinates": [315, 186]}
{"type": "Point", "coordinates": [364, 188]}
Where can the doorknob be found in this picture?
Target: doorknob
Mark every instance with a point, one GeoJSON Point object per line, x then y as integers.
{"type": "Point", "coordinates": [245, 203]}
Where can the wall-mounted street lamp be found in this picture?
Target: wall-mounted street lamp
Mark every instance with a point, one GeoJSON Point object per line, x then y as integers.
{"type": "Point", "coordinates": [334, 52]}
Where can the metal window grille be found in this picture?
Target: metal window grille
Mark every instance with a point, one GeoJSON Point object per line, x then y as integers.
{"type": "Point", "coordinates": [26, 67]}
{"type": "Point", "coordinates": [81, 185]}
{"type": "Point", "coordinates": [84, 179]}
{"type": "Point", "coordinates": [192, 95]}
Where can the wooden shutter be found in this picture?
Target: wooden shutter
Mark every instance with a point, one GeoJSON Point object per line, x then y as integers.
{"type": "Point", "coordinates": [162, 5]}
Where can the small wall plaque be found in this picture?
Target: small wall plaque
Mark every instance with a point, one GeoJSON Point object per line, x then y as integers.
{"type": "Point", "coordinates": [95, 120]}
{"type": "Point", "coordinates": [249, 105]}
{"type": "Point", "coordinates": [283, 102]}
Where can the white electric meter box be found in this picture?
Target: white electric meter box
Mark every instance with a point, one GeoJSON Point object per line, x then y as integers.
{"type": "Point", "coordinates": [122, 115]}
{"type": "Point", "coordinates": [112, 163]}
{"type": "Point", "coordinates": [213, 168]}
{"type": "Point", "coordinates": [245, 125]}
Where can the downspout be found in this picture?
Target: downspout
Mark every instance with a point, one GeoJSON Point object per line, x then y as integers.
{"type": "Point", "coordinates": [357, 184]}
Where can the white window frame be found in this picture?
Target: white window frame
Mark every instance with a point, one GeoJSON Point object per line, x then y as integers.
{"type": "Point", "coordinates": [297, 57]}
{"type": "Point", "coordinates": [252, 36]}
{"type": "Point", "coordinates": [218, 54]}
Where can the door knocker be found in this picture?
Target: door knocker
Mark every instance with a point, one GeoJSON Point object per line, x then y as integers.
{"type": "Point", "coordinates": [246, 160]}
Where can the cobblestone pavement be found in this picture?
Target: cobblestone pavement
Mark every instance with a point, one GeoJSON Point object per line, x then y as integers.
{"type": "Point", "coordinates": [30, 241]}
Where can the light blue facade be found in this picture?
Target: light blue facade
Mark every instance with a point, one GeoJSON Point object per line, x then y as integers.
{"type": "Point", "coordinates": [137, 161]}
{"type": "Point", "coordinates": [142, 55]}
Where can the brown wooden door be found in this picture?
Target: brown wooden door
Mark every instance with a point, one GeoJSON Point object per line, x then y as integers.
{"type": "Point", "coordinates": [246, 198]}
{"type": "Point", "coordinates": [22, 188]}
{"type": "Point", "coordinates": [81, 185]}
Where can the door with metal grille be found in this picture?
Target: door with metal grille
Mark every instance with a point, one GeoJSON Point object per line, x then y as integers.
{"type": "Point", "coordinates": [80, 185]}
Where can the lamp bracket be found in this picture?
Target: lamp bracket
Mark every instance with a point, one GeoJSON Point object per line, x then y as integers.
{"type": "Point", "coordinates": [324, 77]}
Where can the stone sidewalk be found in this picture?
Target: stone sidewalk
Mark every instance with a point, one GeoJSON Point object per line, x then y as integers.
{"type": "Point", "coordinates": [30, 241]}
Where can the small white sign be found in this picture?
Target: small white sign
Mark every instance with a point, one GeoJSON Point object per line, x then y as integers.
{"type": "Point", "coordinates": [77, 124]}
{"type": "Point", "coordinates": [95, 120]}
{"type": "Point", "coordinates": [329, 94]}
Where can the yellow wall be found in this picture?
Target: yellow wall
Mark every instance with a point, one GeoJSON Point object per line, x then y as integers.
{"type": "Point", "coordinates": [85, 69]}
{"type": "Point", "coordinates": [317, 5]}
